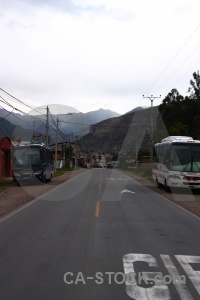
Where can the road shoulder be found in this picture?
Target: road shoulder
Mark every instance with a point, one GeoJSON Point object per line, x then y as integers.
{"type": "Point", "coordinates": [184, 198]}
{"type": "Point", "coordinates": [15, 196]}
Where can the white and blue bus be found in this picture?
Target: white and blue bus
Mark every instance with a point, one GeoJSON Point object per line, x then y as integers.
{"type": "Point", "coordinates": [32, 163]}
{"type": "Point", "coordinates": [176, 163]}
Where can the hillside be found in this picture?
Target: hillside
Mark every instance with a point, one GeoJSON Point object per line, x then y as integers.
{"type": "Point", "coordinates": [70, 124]}
{"type": "Point", "coordinates": [121, 134]}
{"type": "Point", "coordinates": [14, 131]}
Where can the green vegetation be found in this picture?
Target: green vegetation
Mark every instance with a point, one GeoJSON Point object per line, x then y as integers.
{"type": "Point", "coordinates": [69, 151]}
{"type": "Point", "coordinates": [5, 184]}
{"type": "Point", "coordinates": [60, 172]}
{"type": "Point", "coordinates": [144, 171]}
{"type": "Point", "coordinates": [180, 115]}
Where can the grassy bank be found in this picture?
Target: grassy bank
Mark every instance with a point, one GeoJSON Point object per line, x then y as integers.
{"type": "Point", "coordinates": [60, 172]}
{"type": "Point", "coordinates": [5, 184]}
{"type": "Point", "coordinates": [144, 171]}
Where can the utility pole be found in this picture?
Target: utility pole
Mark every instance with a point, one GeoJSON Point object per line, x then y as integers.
{"type": "Point", "coordinates": [33, 131]}
{"type": "Point", "coordinates": [75, 153]}
{"type": "Point", "coordinates": [47, 127]}
{"type": "Point", "coordinates": [152, 129]}
{"type": "Point", "coordinates": [56, 145]}
{"type": "Point", "coordinates": [136, 154]}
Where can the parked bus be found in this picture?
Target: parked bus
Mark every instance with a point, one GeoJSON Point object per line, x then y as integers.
{"type": "Point", "coordinates": [176, 163]}
{"type": "Point", "coordinates": [31, 163]}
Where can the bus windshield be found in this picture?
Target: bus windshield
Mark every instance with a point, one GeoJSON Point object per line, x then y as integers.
{"type": "Point", "coordinates": [27, 156]}
{"type": "Point", "coordinates": [186, 157]}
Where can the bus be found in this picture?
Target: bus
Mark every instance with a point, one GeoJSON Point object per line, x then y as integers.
{"type": "Point", "coordinates": [176, 163]}
{"type": "Point", "coordinates": [32, 163]}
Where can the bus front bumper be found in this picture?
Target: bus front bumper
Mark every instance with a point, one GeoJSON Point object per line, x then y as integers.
{"type": "Point", "coordinates": [182, 183]}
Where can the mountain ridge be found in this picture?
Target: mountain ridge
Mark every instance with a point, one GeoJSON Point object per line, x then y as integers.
{"type": "Point", "coordinates": [122, 134]}
{"type": "Point", "coordinates": [70, 124]}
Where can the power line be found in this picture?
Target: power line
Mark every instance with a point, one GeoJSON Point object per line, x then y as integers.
{"type": "Point", "coordinates": [24, 113]}
{"type": "Point", "coordinates": [182, 76]}
{"type": "Point", "coordinates": [20, 101]}
{"type": "Point", "coordinates": [9, 112]}
{"type": "Point", "coordinates": [14, 114]}
{"type": "Point", "coordinates": [178, 68]}
{"type": "Point", "coordinates": [173, 58]}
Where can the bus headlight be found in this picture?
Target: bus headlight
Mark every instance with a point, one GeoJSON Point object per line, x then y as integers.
{"type": "Point", "coordinates": [174, 177]}
{"type": "Point", "coordinates": [37, 172]}
{"type": "Point", "coordinates": [17, 174]}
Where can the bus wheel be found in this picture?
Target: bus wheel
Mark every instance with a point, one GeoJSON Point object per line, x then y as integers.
{"type": "Point", "coordinates": [167, 188]}
{"type": "Point", "coordinates": [159, 185]}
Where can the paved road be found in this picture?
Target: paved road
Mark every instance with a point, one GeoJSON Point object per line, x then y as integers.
{"type": "Point", "coordinates": [100, 235]}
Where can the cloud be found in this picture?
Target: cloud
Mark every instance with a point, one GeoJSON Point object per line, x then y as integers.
{"type": "Point", "coordinates": [67, 6]}
{"type": "Point", "coordinates": [93, 53]}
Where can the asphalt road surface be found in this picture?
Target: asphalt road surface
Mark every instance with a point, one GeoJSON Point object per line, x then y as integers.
{"type": "Point", "coordinates": [100, 235]}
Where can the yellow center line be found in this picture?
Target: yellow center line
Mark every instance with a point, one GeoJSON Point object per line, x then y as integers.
{"type": "Point", "coordinates": [97, 209]}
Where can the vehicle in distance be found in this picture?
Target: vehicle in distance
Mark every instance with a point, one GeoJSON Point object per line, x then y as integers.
{"type": "Point", "coordinates": [109, 165]}
{"type": "Point", "coordinates": [176, 163]}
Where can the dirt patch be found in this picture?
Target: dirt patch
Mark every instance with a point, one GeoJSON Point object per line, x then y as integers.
{"type": "Point", "coordinates": [13, 197]}
{"type": "Point", "coordinates": [182, 197]}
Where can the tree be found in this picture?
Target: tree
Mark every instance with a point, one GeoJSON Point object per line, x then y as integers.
{"type": "Point", "coordinates": [171, 108]}
{"type": "Point", "coordinates": [194, 90]}
{"type": "Point", "coordinates": [172, 97]}
{"type": "Point", "coordinates": [69, 152]}
{"type": "Point", "coordinates": [178, 129]}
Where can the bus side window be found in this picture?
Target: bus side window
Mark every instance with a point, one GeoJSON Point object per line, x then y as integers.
{"type": "Point", "coordinates": [155, 156]}
{"type": "Point", "coordinates": [161, 154]}
{"type": "Point", "coordinates": [167, 156]}
{"type": "Point", "coordinates": [42, 155]}
{"type": "Point", "coordinates": [156, 153]}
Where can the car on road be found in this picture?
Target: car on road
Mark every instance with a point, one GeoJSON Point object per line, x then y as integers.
{"type": "Point", "coordinates": [109, 165]}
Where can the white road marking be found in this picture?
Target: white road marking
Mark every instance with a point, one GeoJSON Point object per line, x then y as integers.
{"type": "Point", "coordinates": [185, 261]}
{"type": "Point", "coordinates": [159, 291]}
{"type": "Point", "coordinates": [114, 178]}
{"type": "Point", "coordinates": [127, 191]}
{"type": "Point", "coordinates": [179, 284]}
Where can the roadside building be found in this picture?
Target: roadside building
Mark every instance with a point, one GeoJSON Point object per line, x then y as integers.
{"type": "Point", "coordinates": [5, 157]}
{"type": "Point", "coordinates": [68, 154]}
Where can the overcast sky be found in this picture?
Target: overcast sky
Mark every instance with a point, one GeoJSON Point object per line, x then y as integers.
{"type": "Point", "coordinates": [93, 54]}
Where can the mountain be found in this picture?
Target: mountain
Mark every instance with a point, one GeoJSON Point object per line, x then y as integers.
{"type": "Point", "coordinates": [121, 134]}
{"type": "Point", "coordinates": [137, 109]}
{"type": "Point", "coordinates": [100, 115]}
{"type": "Point", "coordinates": [6, 128]}
{"type": "Point", "coordinates": [14, 131]}
{"type": "Point", "coordinates": [72, 123]}
{"type": "Point", "coordinates": [55, 109]}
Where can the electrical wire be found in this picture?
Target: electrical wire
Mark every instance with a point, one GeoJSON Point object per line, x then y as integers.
{"type": "Point", "coordinates": [172, 86]}
{"type": "Point", "coordinates": [22, 102]}
{"type": "Point", "coordinates": [173, 58]}
{"type": "Point", "coordinates": [177, 68]}
{"type": "Point", "coordinates": [9, 112]}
